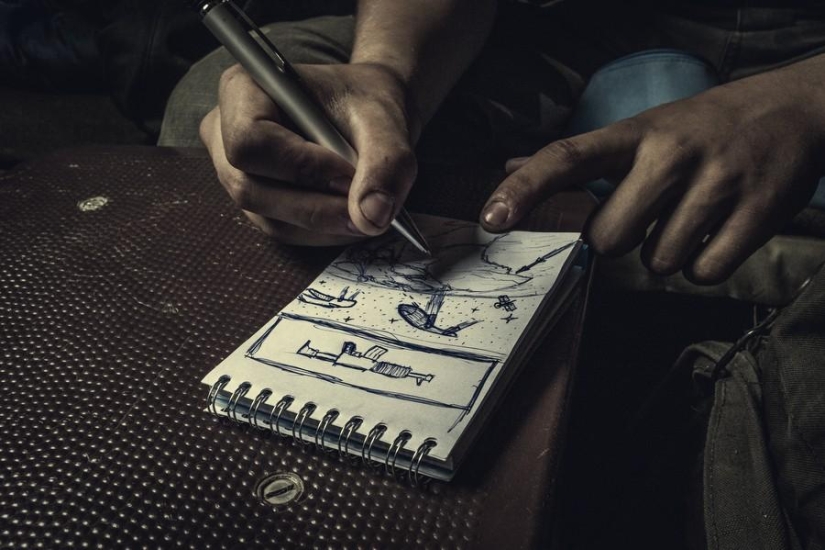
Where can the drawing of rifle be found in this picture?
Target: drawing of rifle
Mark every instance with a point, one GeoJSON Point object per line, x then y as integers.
{"type": "Point", "coordinates": [368, 361]}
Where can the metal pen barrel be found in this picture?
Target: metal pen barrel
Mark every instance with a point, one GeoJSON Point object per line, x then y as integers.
{"type": "Point", "coordinates": [271, 74]}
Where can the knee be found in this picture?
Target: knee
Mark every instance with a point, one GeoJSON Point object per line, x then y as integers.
{"type": "Point", "coordinates": [320, 40]}
{"type": "Point", "coordinates": [192, 98]}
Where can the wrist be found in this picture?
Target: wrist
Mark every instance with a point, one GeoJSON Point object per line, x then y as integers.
{"type": "Point", "coordinates": [803, 84]}
{"type": "Point", "coordinates": [425, 44]}
{"type": "Point", "coordinates": [397, 88]}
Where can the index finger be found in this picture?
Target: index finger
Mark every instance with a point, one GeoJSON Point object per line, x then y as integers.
{"type": "Point", "coordinates": [561, 164]}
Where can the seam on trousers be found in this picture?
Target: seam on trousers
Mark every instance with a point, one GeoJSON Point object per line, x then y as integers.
{"type": "Point", "coordinates": [792, 421]}
{"type": "Point", "coordinates": [711, 488]}
{"type": "Point", "coordinates": [731, 49]}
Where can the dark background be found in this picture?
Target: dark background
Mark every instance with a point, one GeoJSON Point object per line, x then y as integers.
{"type": "Point", "coordinates": [77, 72]}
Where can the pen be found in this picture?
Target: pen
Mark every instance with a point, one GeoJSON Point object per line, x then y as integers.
{"type": "Point", "coordinates": [278, 79]}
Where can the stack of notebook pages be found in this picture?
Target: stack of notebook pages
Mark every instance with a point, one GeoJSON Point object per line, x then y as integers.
{"type": "Point", "coordinates": [397, 358]}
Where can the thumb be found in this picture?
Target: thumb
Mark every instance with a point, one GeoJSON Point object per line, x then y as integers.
{"type": "Point", "coordinates": [560, 165]}
{"type": "Point", "coordinates": [384, 174]}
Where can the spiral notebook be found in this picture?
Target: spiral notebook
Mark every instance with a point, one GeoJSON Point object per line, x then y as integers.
{"type": "Point", "coordinates": [396, 358]}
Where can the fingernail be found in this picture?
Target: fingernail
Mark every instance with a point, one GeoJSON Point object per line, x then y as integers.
{"type": "Point", "coordinates": [496, 213]}
{"type": "Point", "coordinates": [377, 207]}
{"type": "Point", "coordinates": [340, 185]}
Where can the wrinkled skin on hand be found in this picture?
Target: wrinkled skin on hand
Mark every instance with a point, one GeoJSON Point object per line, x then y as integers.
{"type": "Point", "coordinates": [716, 175]}
{"type": "Point", "coordinates": [299, 192]}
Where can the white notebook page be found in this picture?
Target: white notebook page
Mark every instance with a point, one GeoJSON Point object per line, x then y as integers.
{"type": "Point", "coordinates": [396, 338]}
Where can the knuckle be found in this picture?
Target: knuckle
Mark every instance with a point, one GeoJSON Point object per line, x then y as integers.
{"type": "Point", "coordinates": [707, 271]}
{"type": "Point", "coordinates": [604, 244]}
{"type": "Point", "coordinates": [315, 218]}
{"type": "Point", "coordinates": [294, 235]}
{"type": "Point", "coordinates": [305, 165]}
{"type": "Point", "coordinates": [671, 148]}
{"type": "Point", "coordinates": [516, 188]}
{"type": "Point", "coordinates": [229, 75]}
{"type": "Point", "coordinates": [278, 232]}
{"type": "Point", "coordinates": [312, 216]}
{"type": "Point", "coordinates": [680, 153]}
{"type": "Point", "coordinates": [721, 174]}
{"type": "Point", "coordinates": [206, 126]}
{"type": "Point", "coordinates": [242, 145]}
{"type": "Point", "coordinates": [240, 191]}
{"type": "Point", "coordinates": [567, 151]}
{"type": "Point", "coordinates": [612, 243]}
{"type": "Point", "coordinates": [632, 127]}
{"type": "Point", "coordinates": [663, 264]}
{"type": "Point", "coordinates": [762, 204]}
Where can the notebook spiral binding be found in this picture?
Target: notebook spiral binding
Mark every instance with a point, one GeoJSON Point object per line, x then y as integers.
{"type": "Point", "coordinates": [347, 431]}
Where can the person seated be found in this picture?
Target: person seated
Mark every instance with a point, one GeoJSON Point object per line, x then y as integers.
{"type": "Point", "coordinates": [716, 174]}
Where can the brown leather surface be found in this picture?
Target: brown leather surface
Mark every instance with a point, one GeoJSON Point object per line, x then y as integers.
{"type": "Point", "coordinates": [110, 314]}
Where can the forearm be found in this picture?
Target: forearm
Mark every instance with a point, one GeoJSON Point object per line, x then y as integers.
{"type": "Point", "coordinates": [427, 44]}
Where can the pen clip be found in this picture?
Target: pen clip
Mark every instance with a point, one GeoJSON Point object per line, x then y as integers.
{"type": "Point", "coordinates": [270, 48]}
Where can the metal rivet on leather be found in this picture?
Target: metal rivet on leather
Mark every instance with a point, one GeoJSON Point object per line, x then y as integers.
{"type": "Point", "coordinates": [280, 490]}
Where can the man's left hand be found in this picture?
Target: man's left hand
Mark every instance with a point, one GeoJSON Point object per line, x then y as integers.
{"type": "Point", "coordinates": [719, 173]}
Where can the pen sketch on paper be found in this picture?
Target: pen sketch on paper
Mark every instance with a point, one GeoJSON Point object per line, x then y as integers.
{"type": "Point", "coordinates": [389, 367]}
{"type": "Point", "coordinates": [509, 318]}
{"type": "Point", "coordinates": [505, 303]}
{"type": "Point", "coordinates": [460, 266]}
{"type": "Point", "coordinates": [425, 318]}
{"type": "Point", "coordinates": [545, 257]}
{"type": "Point", "coordinates": [427, 330]}
{"type": "Point", "coordinates": [318, 298]}
{"type": "Point", "coordinates": [370, 360]}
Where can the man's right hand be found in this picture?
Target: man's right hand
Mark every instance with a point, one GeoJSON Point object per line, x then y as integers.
{"type": "Point", "coordinates": [297, 191]}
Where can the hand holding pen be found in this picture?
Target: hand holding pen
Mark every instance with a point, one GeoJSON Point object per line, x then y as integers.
{"type": "Point", "coordinates": [296, 190]}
